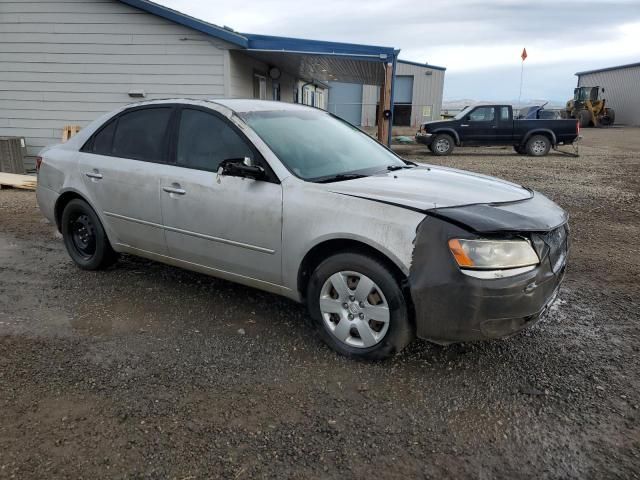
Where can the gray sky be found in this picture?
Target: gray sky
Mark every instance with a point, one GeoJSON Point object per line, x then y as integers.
{"type": "Point", "coordinates": [478, 41]}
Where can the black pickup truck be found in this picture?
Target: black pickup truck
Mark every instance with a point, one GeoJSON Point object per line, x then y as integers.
{"type": "Point", "coordinates": [495, 125]}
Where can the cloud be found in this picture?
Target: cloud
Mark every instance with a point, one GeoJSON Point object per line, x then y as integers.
{"type": "Point", "coordinates": [462, 35]}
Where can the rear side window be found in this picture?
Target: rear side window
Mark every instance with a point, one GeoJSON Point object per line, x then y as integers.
{"type": "Point", "coordinates": [141, 134]}
{"type": "Point", "coordinates": [205, 140]}
{"type": "Point", "coordinates": [504, 113]}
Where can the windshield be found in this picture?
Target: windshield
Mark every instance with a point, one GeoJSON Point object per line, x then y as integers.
{"type": "Point", "coordinates": [461, 115]}
{"type": "Point", "coordinates": [316, 146]}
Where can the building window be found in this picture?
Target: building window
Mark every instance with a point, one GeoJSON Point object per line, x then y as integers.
{"type": "Point", "coordinates": [259, 86]}
{"type": "Point", "coordinates": [275, 87]}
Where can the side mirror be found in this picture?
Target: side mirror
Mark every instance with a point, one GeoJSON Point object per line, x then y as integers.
{"type": "Point", "coordinates": [241, 167]}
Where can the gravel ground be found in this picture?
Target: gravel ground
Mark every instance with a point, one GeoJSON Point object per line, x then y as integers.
{"type": "Point", "coordinates": [148, 371]}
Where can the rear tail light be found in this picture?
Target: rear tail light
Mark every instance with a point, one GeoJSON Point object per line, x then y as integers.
{"type": "Point", "coordinates": [38, 163]}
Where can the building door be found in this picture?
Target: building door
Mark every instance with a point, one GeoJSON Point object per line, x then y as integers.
{"type": "Point", "coordinates": [402, 100]}
{"type": "Point", "coordinates": [345, 101]}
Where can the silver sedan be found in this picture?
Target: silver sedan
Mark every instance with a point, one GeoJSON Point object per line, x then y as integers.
{"type": "Point", "coordinates": [295, 201]}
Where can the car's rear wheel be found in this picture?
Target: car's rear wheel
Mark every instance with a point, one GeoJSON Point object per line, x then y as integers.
{"type": "Point", "coordinates": [84, 237]}
{"type": "Point", "coordinates": [442, 144]}
{"type": "Point", "coordinates": [358, 306]}
{"type": "Point", "coordinates": [538, 146]}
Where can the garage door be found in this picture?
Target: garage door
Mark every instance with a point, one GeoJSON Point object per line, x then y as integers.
{"type": "Point", "coordinates": [345, 101]}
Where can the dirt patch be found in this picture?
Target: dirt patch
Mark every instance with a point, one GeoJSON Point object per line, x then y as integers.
{"type": "Point", "coordinates": [140, 371]}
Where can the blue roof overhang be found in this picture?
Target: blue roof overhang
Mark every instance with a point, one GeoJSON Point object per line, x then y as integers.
{"type": "Point", "coordinates": [191, 22]}
{"type": "Point", "coordinates": [314, 60]}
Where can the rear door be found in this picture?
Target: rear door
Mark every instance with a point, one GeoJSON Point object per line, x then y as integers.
{"type": "Point", "coordinates": [121, 165]}
{"type": "Point", "coordinates": [229, 224]}
{"type": "Point", "coordinates": [504, 126]}
{"type": "Point", "coordinates": [479, 126]}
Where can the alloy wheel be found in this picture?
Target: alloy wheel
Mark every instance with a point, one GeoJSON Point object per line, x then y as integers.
{"type": "Point", "coordinates": [354, 309]}
{"type": "Point", "coordinates": [442, 145]}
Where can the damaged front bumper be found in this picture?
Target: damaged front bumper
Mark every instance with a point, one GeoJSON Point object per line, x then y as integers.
{"type": "Point", "coordinates": [424, 138]}
{"type": "Point", "coordinates": [451, 306]}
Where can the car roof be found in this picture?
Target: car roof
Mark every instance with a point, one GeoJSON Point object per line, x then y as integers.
{"type": "Point", "coordinates": [236, 105]}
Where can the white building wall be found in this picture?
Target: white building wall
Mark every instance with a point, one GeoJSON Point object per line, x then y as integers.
{"type": "Point", "coordinates": [67, 62]}
{"type": "Point", "coordinates": [621, 91]}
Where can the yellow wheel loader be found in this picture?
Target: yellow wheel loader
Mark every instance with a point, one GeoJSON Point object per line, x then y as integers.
{"type": "Point", "coordinates": [589, 109]}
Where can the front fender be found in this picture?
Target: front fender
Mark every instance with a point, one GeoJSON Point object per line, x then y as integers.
{"type": "Point", "coordinates": [449, 131]}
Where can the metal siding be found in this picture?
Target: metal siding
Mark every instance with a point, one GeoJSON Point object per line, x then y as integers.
{"type": "Point", "coordinates": [64, 62]}
{"type": "Point", "coordinates": [427, 91]}
{"type": "Point", "coordinates": [621, 90]}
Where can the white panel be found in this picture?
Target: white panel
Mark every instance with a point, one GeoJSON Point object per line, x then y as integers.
{"type": "Point", "coordinates": [67, 62]}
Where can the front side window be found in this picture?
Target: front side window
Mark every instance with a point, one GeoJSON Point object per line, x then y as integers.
{"type": "Point", "coordinates": [482, 114]}
{"type": "Point", "coordinates": [205, 140]}
{"type": "Point", "coordinates": [141, 134]}
{"type": "Point", "coordinates": [315, 146]}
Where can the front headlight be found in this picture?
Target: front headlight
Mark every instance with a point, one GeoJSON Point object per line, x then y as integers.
{"type": "Point", "coordinates": [493, 254]}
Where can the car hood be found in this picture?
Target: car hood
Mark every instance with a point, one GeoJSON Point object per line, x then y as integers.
{"type": "Point", "coordinates": [426, 188]}
{"type": "Point", "coordinates": [436, 124]}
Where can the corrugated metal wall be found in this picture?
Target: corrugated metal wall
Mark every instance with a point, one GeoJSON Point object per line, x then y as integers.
{"type": "Point", "coordinates": [621, 90]}
{"type": "Point", "coordinates": [67, 62]}
{"type": "Point", "coordinates": [428, 86]}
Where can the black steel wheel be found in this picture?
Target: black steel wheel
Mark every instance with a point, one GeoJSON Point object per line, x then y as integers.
{"type": "Point", "coordinates": [84, 237]}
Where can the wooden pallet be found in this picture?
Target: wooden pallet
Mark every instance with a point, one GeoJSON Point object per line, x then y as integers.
{"type": "Point", "coordinates": [25, 182]}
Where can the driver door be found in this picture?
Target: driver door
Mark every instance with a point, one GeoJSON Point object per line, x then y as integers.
{"type": "Point", "coordinates": [479, 126]}
{"type": "Point", "coordinates": [231, 225]}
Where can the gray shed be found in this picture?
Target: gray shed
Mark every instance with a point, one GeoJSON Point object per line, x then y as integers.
{"type": "Point", "coordinates": [621, 90]}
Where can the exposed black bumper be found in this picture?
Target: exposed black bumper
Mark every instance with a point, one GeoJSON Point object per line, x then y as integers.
{"type": "Point", "coordinates": [451, 306]}
{"type": "Point", "coordinates": [424, 138]}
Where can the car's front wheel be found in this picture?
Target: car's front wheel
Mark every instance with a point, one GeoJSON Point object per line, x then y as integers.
{"type": "Point", "coordinates": [358, 306]}
{"type": "Point", "coordinates": [442, 144]}
{"type": "Point", "coordinates": [84, 237]}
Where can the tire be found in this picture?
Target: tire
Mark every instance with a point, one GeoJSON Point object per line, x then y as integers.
{"type": "Point", "coordinates": [364, 329]}
{"type": "Point", "coordinates": [538, 146]}
{"type": "Point", "coordinates": [520, 149]}
{"type": "Point", "coordinates": [442, 144]}
{"type": "Point", "coordinates": [584, 117]}
{"type": "Point", "coordinates": [85, 238]}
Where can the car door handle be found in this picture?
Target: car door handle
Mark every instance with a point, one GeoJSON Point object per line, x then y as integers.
{"type": "Point", "coordinates": [95, 175]}
{"type": "Point", "coordinates": [464, 125]}
{"type": "Point", "coordinates": [176, 190]}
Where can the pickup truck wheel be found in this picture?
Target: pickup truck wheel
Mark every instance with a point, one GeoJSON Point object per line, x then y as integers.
{"type": "Point", "coordinates": [85, 238]}
{"type": "Point", "coordinates": [538, 146]}
{"type": "Point", "coordinates": [358, 307]}
{"type": "Point", "coordinates": [442, 144]}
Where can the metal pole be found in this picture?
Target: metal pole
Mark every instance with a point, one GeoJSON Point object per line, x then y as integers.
{"type": "Point", "coordinates": [520, 94]}
{"type": "Point", "coordinates": [393, 84]}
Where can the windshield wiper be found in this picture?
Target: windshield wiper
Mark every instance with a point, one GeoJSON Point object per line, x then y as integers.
{"type": "Point", "coordinates": [393, 168]}
{"type": "Point", "coordinates": [339, 177]}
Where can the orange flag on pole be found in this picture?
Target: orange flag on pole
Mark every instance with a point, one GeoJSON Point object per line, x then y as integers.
{"type": "Point", "coordinates": [524, 54]}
